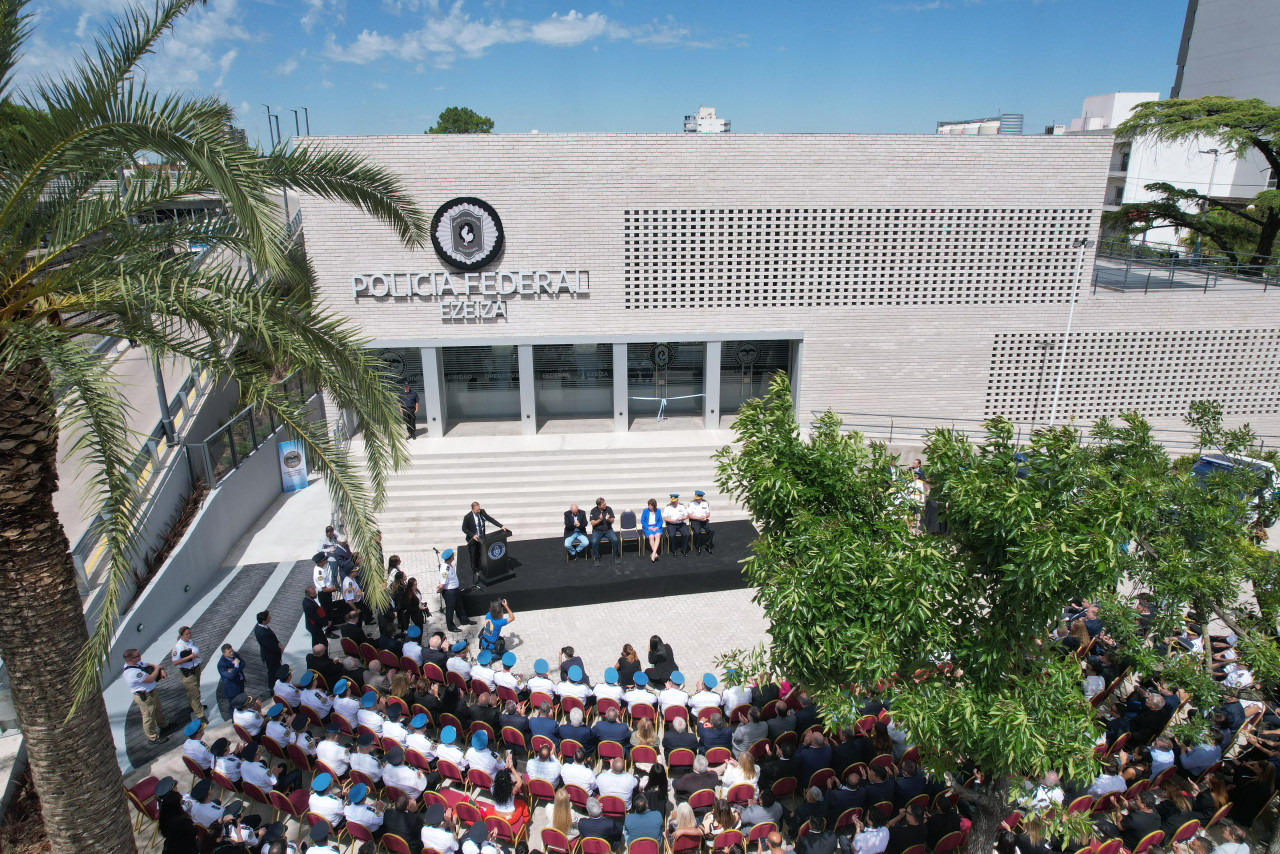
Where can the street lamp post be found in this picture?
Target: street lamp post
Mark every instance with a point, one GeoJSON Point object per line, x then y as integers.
{"type": "Point", "coordinates": [1082, 244]}
{"type": "Point", "coordinates": [1204, 203]}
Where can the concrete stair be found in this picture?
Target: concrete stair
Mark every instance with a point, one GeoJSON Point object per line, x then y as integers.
{"type": "Point", "coordinates": [528, 482]}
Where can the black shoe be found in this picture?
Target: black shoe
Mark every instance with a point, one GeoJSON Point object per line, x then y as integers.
{"type": "Point", "coordinates": [617, 558]}
{"type": "Point", "coordinates": [159, 740]}
{"type": "Point", "coordinates": [697, 551]}
{"type": "Point", "coordinates": [467, 622]}
{"type": "Point", "coordinates": [452, 628]}
{"type": "Point", "coordinates": [597, 561]}
{"type": "Point", "coordinates": [710, 550]}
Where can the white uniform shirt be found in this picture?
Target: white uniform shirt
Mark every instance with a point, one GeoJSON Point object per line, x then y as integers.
{"type": "Point", "coordinates": [873, 840]}
{"type": "Point", "coordinates": [228, 766]}
{"type": "Point", "coordinates": [346, 707]}
{"type": "Point", "coordinates": [674, 514]}
{"type": "Point", "coordinates": [507, 679]}
{"type": "Point", "coordinates": [619, 785]}
{"type": "Point", "coordinates": [328, 806]}
{"type": "Point", "coordinates": [605, 690]}
{"type": "Point", "coordinates": [257, 774]}
{"type": "Point", "coordinates": [484, 674]}
{"type": "Point", "coordinates": [549, 770]}
{"type": "Point", "coordinates": [320, 577]}
{"type": "Point", "coordinates": [351, 592]}
{"type": "Point", "coordinates": [640, 695]}
{"type": "Point", "coordinates": [362, 815]}
{"type": "Point", "coordinates": [335, 756]}
{"type": "Point", "coordinates": [413, 651]}
{"type": "Point", "coordinates": [405, 778]}
{"type": "Point", "coordinates": [200, 754]}
{"type": "Point", "coordinates": [249, 719]}
{"type": "Point", "coordinates": [134, 675]}
{"type": "Point", "coordinates": [372, 719]}
{"type": "Point", "coordinates": [181, 649]}
{"type": "Point", "coordinates": [396, 730]}
{"type": "Point", "coordinates": [704, 700]}
{"type": "Point", "coordinates": [205, 814]}
{"type": "Point", "coordinates": [452, 753]}
{"type": "Point", "coordinates": [305, 742]}
{"type": "Point", "coordinates": [317, 700]}
{"type": "Point", "coordinates": [366, 764]}
{"type": "Point", "coordinates": [542, 685]}
{"type": "Point", "coordinates": [733, 696]}
{"type": "Point", "coordinates": [449, 575]}
{"type": "Point", "coordinates": [420, 742]}
{"type": "Point", "coordinates": [278, 732]}
{"type": "Point", "coordinates": [323, 849]}
{"type": "Point", "coordinates": [439, 839]}
{"type": "Point", "coordinates": [573, 689]}
{"type": "Point", "coordinates": [669, 697]}
{"type": "Point", "coordinates": [574, 774]}
{"type": "Point", "coordinates": [288, 692]}
{"type": "Point", "coordinates": [701, 509]}
{"type": "Point", "coordinates": [459, 665]}
{"type": "Point", "coordinates": [484, 760]}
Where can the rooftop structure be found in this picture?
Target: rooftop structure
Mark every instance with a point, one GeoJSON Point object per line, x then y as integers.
{"type": "Point", "coordinates": [705, 121]}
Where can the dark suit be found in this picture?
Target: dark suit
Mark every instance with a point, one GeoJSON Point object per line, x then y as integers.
{"type": "Point", "coordinates": [232, 676]}
{"type": "Point", "coordinates": [672, 740]}
{"type": "Point", "coordinates": [816, 843]}
{"type": "Point", "coordinates": [940, 825]}
{"type": "Point", "coordinates": [841, 799]}
{"type": "Point", "coordinates": [328, 668]}
{"type": "Point", "coordinates": [580, 734]}
{"type": "Point", "coordinates": [544, 726]}
{"type": "Point", "coordinates": [604, 828]}
{"type": "Point", "coordinates": [907, 788]}
{"type": "Point", "coordinates": [709, 737]}
{"type": "Point", "coordinates": [903, 835]}
{"type": "Point", "coordinates": [316, 621]}
{"type": "Point", "coordinates": [270, 649]}
{"type": "Point", "coordinates": [878, 792]}
{"type": "Point", "coordinates": [518, 722]}
{"type": "Point", "coordinates": [470, 529]}
{"type": "Point", "coordinates": [406, 825]}
{"type": "Point", "coordinates": [616, 731]}
{"type": "Point", "coordinates": [806, 716]}
{"type": "Point", "coordinates": [355, 632]}
{"type": "Point", "coordinates": [486, 713]}
{"type": "Point", "coordinates": [812, 759]}
{"type": "Point", "coordinates": [436, 656]}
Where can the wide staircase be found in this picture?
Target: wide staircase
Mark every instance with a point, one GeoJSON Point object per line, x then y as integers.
{"type": "Point", "coordinates": [528, 482]}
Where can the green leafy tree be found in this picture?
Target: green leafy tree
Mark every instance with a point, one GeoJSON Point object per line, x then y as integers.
{"type": "Point", "coordinates": [76, 264]}
{"type": "Point", "coordinates": [953, 627]}
{"type": "Point", "coordinates": [1235, 127]}
{"type": "Point", "coordinates": [461, 120]}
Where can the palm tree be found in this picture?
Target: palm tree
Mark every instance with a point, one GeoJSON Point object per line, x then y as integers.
{"type": "Point", "coordinates": [80, 259]}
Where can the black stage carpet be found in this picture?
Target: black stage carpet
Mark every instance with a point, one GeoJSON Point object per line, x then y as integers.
{"type": "Point", "coordinates": [545, 580]}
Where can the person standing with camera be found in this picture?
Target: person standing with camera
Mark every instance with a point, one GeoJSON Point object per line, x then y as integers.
{"type": "Point", "coordinates": [143, 679]}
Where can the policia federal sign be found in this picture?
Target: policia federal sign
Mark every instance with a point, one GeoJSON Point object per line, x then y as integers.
{"type": "Point", "coordinates": [467, 234]}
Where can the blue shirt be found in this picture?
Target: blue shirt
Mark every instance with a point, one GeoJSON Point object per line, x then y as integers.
{"type": "Point", "coordinates": [488, 636]}
{"type": "Point", "coordinates": [651, 521]}
{"type": "Point", "coordinates": [647, 826]}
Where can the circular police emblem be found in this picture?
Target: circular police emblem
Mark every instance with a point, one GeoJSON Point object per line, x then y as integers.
{"type": "Point", "coordinates": [292, 459]}
{"type": "Point", "coordinates": [497, 550]}
{"type": "Point", "coordinates": [395, 364]}
{"type": "Point", "coordinates": [466, 233]}
{"type": "Point", "coordinates": [747, 354]}
{"type": "Point", "coordinates": [662, 355]}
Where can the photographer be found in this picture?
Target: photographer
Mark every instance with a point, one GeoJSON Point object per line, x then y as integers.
{"type": "Point", "coordinates": [142, 679]}
{"type": "Point", "coordinates": [500, 616]}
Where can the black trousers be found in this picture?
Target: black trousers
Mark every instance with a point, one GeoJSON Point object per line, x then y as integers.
{"type": "Point", "coordinates": [703, 532]}
{"type": "Point", "coordinates": [273, 663]}
{"type": "Point", "coordinates": [454, 611]}
{"type": "Point", "coordinates": [678, 534]}
{"type": "Point", "coordinates": [317, 635]}
{"type": "Point", "coordinates": [474, 551]}
{"type": "Point", "coordinates": [411, 422]}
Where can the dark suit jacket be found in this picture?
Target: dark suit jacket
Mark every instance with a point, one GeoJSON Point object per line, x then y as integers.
{"type": "Point", "coordinates": [906, 788]}
{"type": "Point", "coordinates": [673, 740]}
{"type": "Point", "coordinates": [709, 737]}
{"type": "Point", "coordinates": [605, 828]}
{"type": "Point", "coordinates": [569, 530]}
{"type": "Point", "coordinates": [846, 753]}
{"type": "Point", "coordinates": [328, 668]}
{"type": "Point", "coordinates": [940, 825]}
{"type": "Point", "coordinates": [816, 843]}
{"type": "Point", "coordinates": [486, 713]}
{"type": "Point", "coordinates": [812, 759]}
{"type": "Point", "coordinates": [268, 643]}
{"type": "Point", "coordinates": [544, 726]}
{"type": "Point", "coordinates": [877, 792]}
{"type": "Point", "coordinates": [693, 782]}
{"type": "Point", "coordinates": [806, 716]}
{"type": "Point", "coordinates": [580, 734]}
{"type": "Point", "coordinates": [355, 632]}
{"type": "Point", "coordinates": [616, 731]}
{"type": "Point", "coordinates": [902, 836]}
{"type": "Point", "coordinates": [406, 825]}
{"type": "Point", "coordinates": [469, 523]}
{"type": "Point", "coordinates": [517, 722]}
{"type": "Point", "coordinates": [438, 657]}
{"type": "Point", "coordinates": [314, 621]}
{"type": "Point", "coordinates": [841, 799]}
{"type": "Point", "coordinates": [232, 676]}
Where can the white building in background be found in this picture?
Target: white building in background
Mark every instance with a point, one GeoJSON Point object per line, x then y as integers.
{"type": "Point", "coordinates": [1195, 165]}
{"type": "Point", "coordinates": [1009, 124]}
{"type": "Point", "coordinates": [705, 121]}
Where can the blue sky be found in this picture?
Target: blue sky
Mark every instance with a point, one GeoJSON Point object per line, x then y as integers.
{"type": "Point", "coordinates": [390, 66]}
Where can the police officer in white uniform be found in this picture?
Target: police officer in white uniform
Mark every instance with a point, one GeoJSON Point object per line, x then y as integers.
{"type": "Point", "coordinates": [363, 759]}
{"type": "Point", "coordinates": [504, 677]}
{"type": "Point", "coordinates": [539, 683]}
{"type": "Point", "coordinates": [404, 777]}
{"type": "Point", "coordinates": [370, 713]}
{"type": "Point", "coordinates": [276, 729]}
{"type": "Point", "coordinates": [458, 661]}
{"type": "Point", "coordinates": [448, 750]}
{"type": "Point", "coordinates": [675, 517]}
{"type": "Point", "coordinates": [320, 833]}
{"type": "Point", "coordinates": [673, 694]}
{"type": "Point", "coordinates": [481, 669]}
{"type": "Point", "coordinates": [286, 690]}
{"type": "Point", "coordinates": [332, 753]}
{"type": "Point", "coordinates": [417, 738]}
{"type": "Point", "coordinates": [247, 712]}
{"type": "Point", "coordinates": [298, 735]}
{"type": "Point", "coordinates": [359, 811]}
{"type": "Point", "coordinates": [412, 648]}
{"type": "Point", "coordinates": [194, 748]}
{"type": "Point", "coordinates": [186, 657]}
{"type": "Point", "coordinates": [700, 530]}
{"type": "Point", "coordinates": [454, 610]}
{"type": "Point", "coordinates": [141, 678]}
{"type": "Point", "coordinates": [437, 830]}
{"type": "Point", "coordinates": [345, 705]}
{"type": "Point", "coordinates": [393, 725]}
{"type": "Point", "coordinates": [640, 693]}
{"type": "Point", "coordinates": [704, 697]}
{"type": "Point", "coordinates": [312, 697]}
{"type": "Point", "coordinates": [202, 809]}
{"type": "Point", "coordinates": [609, 688]}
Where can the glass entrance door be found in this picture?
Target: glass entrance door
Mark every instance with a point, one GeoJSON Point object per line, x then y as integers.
{"type": "Point", "coordinates": [746, 368]}
{"type": "Point", "coordinates": [481, 383]}
{"type": "Point", "coordinates": [674, 372]}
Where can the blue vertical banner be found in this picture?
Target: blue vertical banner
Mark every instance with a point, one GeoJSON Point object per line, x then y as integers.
{"type": "Point", "coordinates": [293, 465]}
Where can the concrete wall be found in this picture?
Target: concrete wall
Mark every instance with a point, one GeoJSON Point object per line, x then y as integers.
{"type": "Point", "coordinates": [901, 261]}
{"type": "Point", "coordinates": [229, 511]}
{"type": "Point", "coordinates": [1232, 50]}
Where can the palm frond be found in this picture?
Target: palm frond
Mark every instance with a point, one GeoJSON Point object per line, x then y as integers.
{"type": "Point", "coordinates": [15, 26]}
{"type": "Point", "coordinates": [93, 413]}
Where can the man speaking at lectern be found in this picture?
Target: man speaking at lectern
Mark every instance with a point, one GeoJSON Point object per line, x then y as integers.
{"type": "Point", "coordinates": [473, 525]}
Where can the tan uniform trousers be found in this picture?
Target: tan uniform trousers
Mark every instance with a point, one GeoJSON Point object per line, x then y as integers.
{"type": "Point", "coordinates": [191, 682]}
{"type": "Point", "coordinates": [153, 719]}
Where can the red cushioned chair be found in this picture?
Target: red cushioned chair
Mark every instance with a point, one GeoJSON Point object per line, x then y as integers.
{"type": "Point", "coordinates": [197, 773]}
{"type": "Point", "coordinates": [578, 796]}
{"type": "Point", "coordinates": [1151, 840]}
{"type": "Point", "coordinates": [432, 671]}
{"type": "Point", "coordinates": [1084, 803]}
{"type": "Point", "coordinates": [540, 790]}
{"type": "Point", "coordinates": [397, 845]}
{"type": "Point", "coordinates": [505, 832]}
{"type": "Point", "coordinates": [702, 800]}
{"type": "Point", "coordinates": [568, 748]}
{"type": "Point", "coordinates": [760, 831]}
{"type": "Point", "coordinates": [643, 845]}
{"type": "Point", "coordinates": [726, 839]}
{"type": "Point", "coordinates": [717, 756]}
{"type": "Point", "coordinates": [680, 759]}
{"type": "Point", "coordinates": [613, 806]}
{"type": "Point", "coordinates": [847, 818]}
{"type": "Point", "coordinates": [950, 842]}
{"type": "Point", "coordinates": [593, 845]}
{"type": "Point", "coordinates": [479, 779]}
{"type": "Point", "coordinates": [555, 842]}
{"type": "Point", "coordinates": [408, 665]}
{"type": "Point", "coordinates": [451, 772]}
{"type": "Point", "coordinates": [350, 647]}
{"type": "Point", "coordinates": [686, 844]}
{"type": "Point", "coordinates": [740, 793]}
{"type": "Point", "coordinates": [514, 739]}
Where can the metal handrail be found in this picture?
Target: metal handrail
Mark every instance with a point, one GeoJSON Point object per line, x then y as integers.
{"type": "Point", "coordinates": [912, 429]}
{"type": "Point", "coordinates": [226, 449]}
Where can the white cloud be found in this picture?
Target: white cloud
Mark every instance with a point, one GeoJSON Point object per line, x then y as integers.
{"type": "Point", "coordinates": [198, 45]}
{"type": "Point", "coordinates": [377, 84]}
{"type": "Point", "coordinates": [446, 34]}
{"type": "Point", "coordinates": [922, 6]}
{"type": "Point", "coordinates": [287, 67]}
{"type": "Point", "coordinates": [328, 11]}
